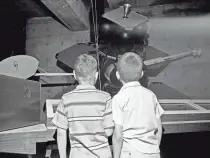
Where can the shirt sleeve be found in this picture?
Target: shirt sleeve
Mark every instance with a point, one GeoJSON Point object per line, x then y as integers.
{"type": "Point", "coordinates": [158, 109]}
{"type": "Point", "coordinates": [117, 112]}
{"type": "Point", "coordinates": [107, 116]}
{"type": "Point", "coordinates": [60, 119]}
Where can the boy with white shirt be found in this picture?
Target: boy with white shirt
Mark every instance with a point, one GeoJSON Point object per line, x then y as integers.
{"type": "Point", "coordinates": [136, 113]}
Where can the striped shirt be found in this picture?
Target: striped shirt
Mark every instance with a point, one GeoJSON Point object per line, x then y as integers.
{"type": "Point", "coordinates": [87, 113]}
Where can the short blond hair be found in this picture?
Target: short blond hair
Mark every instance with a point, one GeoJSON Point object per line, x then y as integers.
{"type": "Point", "coordinates": [130, 67]}
{"type": "Point", "coordinates": [85, 66]}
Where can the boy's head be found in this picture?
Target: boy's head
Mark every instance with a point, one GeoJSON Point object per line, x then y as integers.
{"type": "Point", "coordinates": [85, 69]}
{"type": "Point", "coordinates": [129, 67]}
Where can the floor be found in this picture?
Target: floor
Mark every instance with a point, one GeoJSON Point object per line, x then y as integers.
{"type": "Point", "coordinates": [191, 145]}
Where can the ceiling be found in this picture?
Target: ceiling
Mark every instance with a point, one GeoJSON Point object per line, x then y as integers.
{"type": "Point", "coordinates": [28, 8]}
{"type": "Point", "coordinates": [35, 8]}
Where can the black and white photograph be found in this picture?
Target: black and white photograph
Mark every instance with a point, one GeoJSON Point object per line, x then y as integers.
{"type": "Point", "coordinates": [105, 79]}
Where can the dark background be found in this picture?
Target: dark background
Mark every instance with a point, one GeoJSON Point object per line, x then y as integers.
{"type": "Point", "coordinates": [12, 30]}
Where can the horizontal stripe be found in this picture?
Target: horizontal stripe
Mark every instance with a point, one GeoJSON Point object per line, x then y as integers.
{"type": "Point", "coordinates": [85, 103]}
{"type": "Point", "coordinates": [108, 99]}
{"type": "Point", "coordinates": [100, 146]}
{"type": "Point", "coordinates": [98, 93]}
{"type": "Point", "coordinates": [85, 134]}
{"type": "Point", "coordinates": [75, 143]}
{"type": "Point", "coordinates": [91, 90]}
{"type": "Point", "coordinates": [85, 91]}
{"type": "Point", "coordinates": [80, 145]}
{"type": "Point", "coordinates": [110, 127]}
{"type": "Point", "coordinates": [108, 113]}
{"type": "Point", "coordinates": [81, 87]}
{"type": "Point", "coordinates": [92, 147]}
{"type": "Point", "coordinates": [85, 119]}
{"type": "Point", "coordinates": [60, 112]}
{"type": "Point", "coordinates": [80, 91]}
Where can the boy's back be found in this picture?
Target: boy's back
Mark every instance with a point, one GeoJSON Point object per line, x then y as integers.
{"type": "Point", "coordinates": [136, 113]}
{"type": "Point", "coordinates": [136, 109]}
{"type": "Point", "coordinates": [88, 111]}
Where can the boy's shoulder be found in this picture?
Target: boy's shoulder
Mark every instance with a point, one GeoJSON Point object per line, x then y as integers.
{"type": "Point", "coordinates": [68, 93]}
{"type": "Point", "coordinates": [104, 94]}
{"type": "Point", "coordinates": [146, 90]}
{"type": "Point", "coordinates": [75, 91]}
{"type": "Point", "coordinates": [128, 91]}
{"type": "Point", "coordinates": [148, 93]}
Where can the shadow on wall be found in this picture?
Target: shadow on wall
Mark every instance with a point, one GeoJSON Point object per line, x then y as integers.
{"type": "Point", "coordinates": [174, 35]}
{"type": "Point", "coordinates": [12, 30]}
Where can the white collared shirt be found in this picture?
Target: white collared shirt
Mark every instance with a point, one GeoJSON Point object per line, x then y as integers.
{"type": "Point", "coordinates": [137, 110]}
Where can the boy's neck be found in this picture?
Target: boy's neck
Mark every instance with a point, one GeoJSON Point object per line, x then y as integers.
{"type": "Point", "coordinates": [86, 83]}
{"type": "Point", "coordinates": [127, 82]}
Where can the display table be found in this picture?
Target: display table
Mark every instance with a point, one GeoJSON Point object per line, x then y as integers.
{"type": "Point", "coordinates": [181, 116]}
{"type": "Point", "coordinates": [24, 140]}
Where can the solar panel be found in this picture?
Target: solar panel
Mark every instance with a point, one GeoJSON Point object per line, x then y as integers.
{"type": "Point", "coordinates": [19, 103]}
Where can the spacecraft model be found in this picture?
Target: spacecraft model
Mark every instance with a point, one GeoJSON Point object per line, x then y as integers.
{"type": "Point", "coordinates": [109, 80]}
{"type": "Point", "coordinates": [129, 33]}
{"type": "Point", "coordinates": [123, 31]}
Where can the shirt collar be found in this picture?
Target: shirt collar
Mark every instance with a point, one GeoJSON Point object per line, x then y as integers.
{"type": "Point", "coordinates": [81, 87]}
{"type": "Point", "coordinates": [130, 84]}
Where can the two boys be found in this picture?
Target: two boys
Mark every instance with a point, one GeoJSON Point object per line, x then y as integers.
{"type": "Point", "coordinates": [90, 115]}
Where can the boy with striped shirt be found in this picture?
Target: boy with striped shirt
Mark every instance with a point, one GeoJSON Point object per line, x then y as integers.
{"type": "Point", "coordinates": [87, 113]}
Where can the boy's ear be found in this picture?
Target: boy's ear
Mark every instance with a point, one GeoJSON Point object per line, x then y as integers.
{"type": "Point", "coordinates": [142, 74]}
{"type": "Point", "coordinates": [117, 75]}
{"type": "Point", "coordinates": [74, 74]}
{"type": "Point", "coordinates": [96, 75]}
